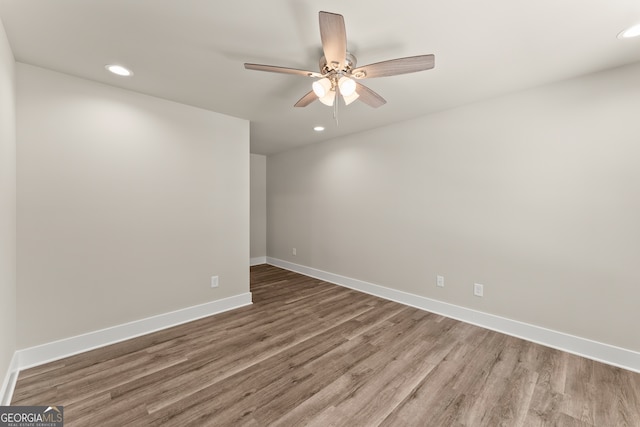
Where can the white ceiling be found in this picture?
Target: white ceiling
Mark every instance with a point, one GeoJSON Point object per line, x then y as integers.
{"type": "Point", "coordinates": [192, 51]}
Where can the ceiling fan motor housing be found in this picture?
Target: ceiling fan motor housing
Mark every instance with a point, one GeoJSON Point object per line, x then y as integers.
{"type": "Point", "coordinates": [349, 64]}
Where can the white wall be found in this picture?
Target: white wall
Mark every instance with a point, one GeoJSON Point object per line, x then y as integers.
{"type": "Point", "coordinates": [258, 207]}
{"type": "Point", "coordinates": [7, 209]}
{"type": "Point", "coordinates": [536, 195]}
{"type": "Point", "coordinates": [127, 205]}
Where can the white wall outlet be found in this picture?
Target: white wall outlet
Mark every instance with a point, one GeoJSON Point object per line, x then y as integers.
{"type": "Point", "coordinates": [440, 281]}
{"type": "Point", "coordinates": [294, 251]}
{"type": "Point", "coordinates": [214, 281]}
{"type": "Point", "coordinates": [478, 289]}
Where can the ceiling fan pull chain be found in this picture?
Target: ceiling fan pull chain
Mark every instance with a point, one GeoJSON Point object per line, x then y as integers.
{"type": "Point", "coordinates": [335, 104]}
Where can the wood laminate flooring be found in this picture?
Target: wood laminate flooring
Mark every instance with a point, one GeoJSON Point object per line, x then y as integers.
{"type": "Point", "coordinates": [311, 353]}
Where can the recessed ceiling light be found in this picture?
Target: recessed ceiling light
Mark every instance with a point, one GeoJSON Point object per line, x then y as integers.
{"type": "Point", "coordinates": [318, 128]}
{"type": "Point", "coordinates": [119, 70]}
{"type": "Point", "coordinates": [630, 32]}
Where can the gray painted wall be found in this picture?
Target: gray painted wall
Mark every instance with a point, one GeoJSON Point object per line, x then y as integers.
{"type": "Point", "coordinates": [127, 205]}
{"type": "Point", "coordinates": [258, 206]}
{"type": "Point", "coordinates": [535, 195]}
{"type": "Point", "coordinates": [7, 207]}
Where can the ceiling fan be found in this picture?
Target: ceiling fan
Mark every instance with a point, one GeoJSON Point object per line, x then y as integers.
{"type": "Point", "coordinates": [338, 71]}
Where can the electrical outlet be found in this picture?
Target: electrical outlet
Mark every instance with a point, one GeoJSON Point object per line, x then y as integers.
{"type": "Point", "coordinates": [294, 251]}
{"type": "Point", "coordinates": [214, 281]}
{"type": "Point", "coordinates": [478, 289]}
{"type": "Point", "coordinates": [440, 281]}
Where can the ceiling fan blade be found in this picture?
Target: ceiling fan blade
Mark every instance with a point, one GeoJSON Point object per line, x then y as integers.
{"type": "Point", "coordinates": [334, 39]}
{"type": "Point", "coordinates": [306, 100]}
{"type": "Point", "coordinates": [282, 70]}
{"type": "Point", "coordinates": [368, 96]}
{"type": "Point", "coordinates": [393, 67]}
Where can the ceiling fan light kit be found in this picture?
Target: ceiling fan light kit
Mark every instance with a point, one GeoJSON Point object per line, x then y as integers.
{"type": "Point", "coordinates": [322, 87]}
{"type": "Point", "coordinates": [338, 72]}
{"type": "Point", "coordinates": [328, 98]}
{"type": "Point", "coordinates": [349, 99]}
{"type": "Point", "coordinates": [347, 86]}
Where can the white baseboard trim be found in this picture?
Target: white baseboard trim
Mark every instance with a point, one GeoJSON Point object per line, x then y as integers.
{"type": "Point", "coordinates": [258, 260]}
{"type": "Point", "coordinates": [38, 355]}
{"type": "Point", "coordinates": [605, 353]}
{"type": "Point", "coordinates": [9, 382]}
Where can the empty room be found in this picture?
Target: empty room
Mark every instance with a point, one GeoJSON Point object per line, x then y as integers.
{"type": "Point", "coordinates": [292, 213]}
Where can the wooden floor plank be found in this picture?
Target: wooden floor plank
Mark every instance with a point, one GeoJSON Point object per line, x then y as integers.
{"type": "Point", "coordinates": [311, 353]}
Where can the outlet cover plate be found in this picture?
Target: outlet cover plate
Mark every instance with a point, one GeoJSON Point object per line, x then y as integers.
{"type": "Point", "coordinates": [478, 289]}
